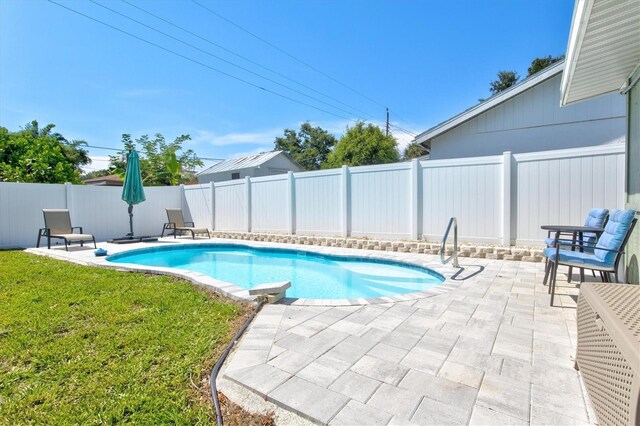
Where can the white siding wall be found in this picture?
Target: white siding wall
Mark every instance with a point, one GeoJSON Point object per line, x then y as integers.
{"type": "Point", "coordinates": [230, 206]}
{"type": "Point", "coordinates": [534, 121]}
{"type": "Point", "coordinates": [380, 201]}
{"type": "Point", "coordinates": [270, 204]}
{"type": "Point", "coordinates": [469, 190]}
{"type": "Point", "coordinates": [496, 199]}
{"type": "Point", "coordinates": [317, 202]}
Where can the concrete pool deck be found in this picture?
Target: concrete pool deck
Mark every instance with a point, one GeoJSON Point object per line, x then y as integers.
{"type": "Point", "coordinates": [489, 350]}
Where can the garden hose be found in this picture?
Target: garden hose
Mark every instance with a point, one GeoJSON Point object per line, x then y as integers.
{"type": "Point", "coordinates": [223, 357]}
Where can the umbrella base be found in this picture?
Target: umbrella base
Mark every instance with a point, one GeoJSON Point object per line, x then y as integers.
{"type": "Point", "coordinates": [131, 240]}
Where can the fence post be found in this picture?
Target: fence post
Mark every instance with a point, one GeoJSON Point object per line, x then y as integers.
{"type": "Point", "coordinates": [415, 197]}
{"type": "Point", "coordinates": [182, 197]}
{"type": "Point", "coordinates": [506, 198]}
{"type": "Point", "coordinates": [345, 201]}
{"type": "Point", "coordinates": [247, 184]}
{"type": "Point", "coordinates": [212, 191]}
{"type": "Point", "coordinates": [67, 195]}
{"type": "Point", "coordinates": [291, 199]}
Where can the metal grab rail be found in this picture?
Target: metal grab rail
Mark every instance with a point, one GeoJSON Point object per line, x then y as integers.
{"type": "Point", "coordinates": [453, 221]}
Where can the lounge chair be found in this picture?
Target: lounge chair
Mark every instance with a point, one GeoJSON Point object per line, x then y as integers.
{"type": "Point", "coordinates": [57, 224]}
{"type": "Point", "coordinates": [605, 255]}
{"type": "Point", "coordinates": [177, 224]}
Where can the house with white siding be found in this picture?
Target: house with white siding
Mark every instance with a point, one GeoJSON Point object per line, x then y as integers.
{"type": "Point", "coordinates": [527, 117]}
{"type": "Point", "coordinates": [263, 164]}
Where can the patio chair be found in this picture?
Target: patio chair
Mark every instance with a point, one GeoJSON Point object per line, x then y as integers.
{"type": "Point", "coordinates": [57, 224]}
{"type": "Point", "coordinates": [596, 218]}
{"type": "Point", "coordinates": [604, 256]}
{"type": "Point", "coordinates": [177, 224]}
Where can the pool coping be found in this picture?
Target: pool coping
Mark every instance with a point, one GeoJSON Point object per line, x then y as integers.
{"type": "Point", "coordinates": [233, 291]}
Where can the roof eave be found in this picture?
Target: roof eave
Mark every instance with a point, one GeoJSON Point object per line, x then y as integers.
{"type": "Point", "coordinates": [495, 100]}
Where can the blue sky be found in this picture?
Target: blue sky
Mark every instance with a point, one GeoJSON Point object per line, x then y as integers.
{"type": "Point", "coordinates": [425, 60]}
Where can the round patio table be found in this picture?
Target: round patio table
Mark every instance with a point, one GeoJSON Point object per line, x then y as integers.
{"type": "Point", "coordinates": [577, 233]}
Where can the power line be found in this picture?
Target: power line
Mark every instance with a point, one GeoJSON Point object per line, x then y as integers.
{"type": "Point", "coordinates": [121, 150]}
{"type": "Point", "coordinates": [298, 60]}
{"type": "Point", "coordinates": [221, 59]}
{"type": "Point", "coordinates": [288, 54]}
{"type": "Point", "coordinates": [195, 61]}
{"type": "Point", "coordinates": [245, 58]}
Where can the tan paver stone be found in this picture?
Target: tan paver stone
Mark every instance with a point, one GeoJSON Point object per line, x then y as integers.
{"type": "Point", "coordinates": [446, 391]}
{"type": "Point", "coordinates": [432, 412]}
{"type": "Point", "coordinates": [355, 386]}
{"type": "Point", "coordinates": [567, 404]}
{"type": "Point", "coordinates": [543, 417]}
{"type": "Point", "coordinates": [261, 379]}
{"type": "Point", "coordinates": [291, 361]}
{"type": "Point", "coordinates": [483, 416]}
{"type": "Point", "coordinates": [505, 395]}
{"type": "Point", "coordinates": [460, 373]}
{"type": "Point", "coordinates": [324, 370]}
{"type": "Point", "coordinates": [308, 399]}
{"type": "Point", "coordinates": [378, 369]}
{"type": "Point", "coordinates": [357, 413]}
{"type": "Point", "coordinates": [398, 402]}
{"type": "Point", "coordinates": [388, 353]}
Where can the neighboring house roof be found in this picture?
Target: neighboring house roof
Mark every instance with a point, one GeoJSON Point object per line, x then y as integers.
{"type": "Point", "coordinates": [493, 101]}
{"type": "Point", "coordinates": [603, 49]}
{"type": "Point", "coordinates": [243, 162]}
{"type": "Point", "coordinates": [109, 180]}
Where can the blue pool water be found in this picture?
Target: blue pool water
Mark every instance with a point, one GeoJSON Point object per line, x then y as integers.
{"type": "Point", "coordinates": [312, 276]}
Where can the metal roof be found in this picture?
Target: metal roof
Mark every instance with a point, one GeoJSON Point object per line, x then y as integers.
{"type": "Point", "coordinates": [240, 163]}
{"type": "Point", "coordinates": [493, 101]}
{"type": "Point", "coordinates": [603, 48]}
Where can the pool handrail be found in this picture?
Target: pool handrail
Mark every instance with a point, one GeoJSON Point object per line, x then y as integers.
{"type": "Point", "coordinates": [453, 221]}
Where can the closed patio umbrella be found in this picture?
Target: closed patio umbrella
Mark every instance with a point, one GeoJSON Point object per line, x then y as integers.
{"type": "Point", "coordinates": [132, 190]}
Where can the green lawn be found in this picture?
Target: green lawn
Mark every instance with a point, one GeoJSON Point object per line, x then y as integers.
{"type": "Point", "coordinates": [81, 345]}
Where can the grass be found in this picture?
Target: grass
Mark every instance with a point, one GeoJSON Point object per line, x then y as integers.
{"type": "Point", "coordinates": [83, 345]}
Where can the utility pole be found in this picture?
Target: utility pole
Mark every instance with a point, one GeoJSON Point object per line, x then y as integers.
{"type": "Point", "coordinates": [387, 132]}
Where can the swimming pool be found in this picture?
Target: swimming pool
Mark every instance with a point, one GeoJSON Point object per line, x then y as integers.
{"type": "Point", "coordinates": [312, 275]}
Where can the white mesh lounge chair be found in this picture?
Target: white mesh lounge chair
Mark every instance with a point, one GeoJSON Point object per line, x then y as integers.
{"type": "Point", "coordinates": [178, 225]}
{"type": "Point", "coordinates": [57, 224]}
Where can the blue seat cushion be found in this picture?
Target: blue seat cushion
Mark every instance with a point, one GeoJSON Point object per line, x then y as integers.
{"type": "Point", "coordinates": [576, 257]}
{"type": "Point", "coordinates": [614, 234]}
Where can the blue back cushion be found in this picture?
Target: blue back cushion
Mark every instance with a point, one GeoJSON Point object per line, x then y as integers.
{"type": "Point", "coordinates": [595, 218]}
{"type": "Point", "coordinates": [614, 233]}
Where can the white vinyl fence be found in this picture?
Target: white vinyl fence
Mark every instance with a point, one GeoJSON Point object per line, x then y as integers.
{"type": "Point", "coordinates": [500, 199]}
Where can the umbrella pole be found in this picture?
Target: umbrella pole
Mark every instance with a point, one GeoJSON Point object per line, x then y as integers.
{"type": "Point", "coordinates": [130, 234]}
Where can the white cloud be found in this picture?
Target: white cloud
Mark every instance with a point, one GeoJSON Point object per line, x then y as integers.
{"type": "Point", "coordinates": [238, 138]}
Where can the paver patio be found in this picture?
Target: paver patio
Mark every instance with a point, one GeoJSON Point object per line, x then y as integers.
{"type": "Point", "coordinates": [490, 350]}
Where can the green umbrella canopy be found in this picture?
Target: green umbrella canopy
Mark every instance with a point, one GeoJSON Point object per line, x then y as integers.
{"type": "Point", "coordinates": [132, 191]}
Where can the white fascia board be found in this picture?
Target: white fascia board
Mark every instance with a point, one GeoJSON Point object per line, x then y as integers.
{"type": "Point", "coordinates": [579, 23]}
{"type": "Point", "coordinates": [501, 97]}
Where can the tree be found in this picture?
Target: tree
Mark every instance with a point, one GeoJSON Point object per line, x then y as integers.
{"type": "Point", "coordinates": [28, 156]}
{"type": "Point", "coordinates": [505, 80]}
{"type": "Point", "coordinates": [414, 150]}
{"type": "Point", "coordinates": [161, 162]}
{"type": "Point", "coordinates": [309, 147]}
{"type": "Point", "coordinates": [363, 145]}
{"type": "Point", "coordinates": [538, 64]}
{"type": "Point", "coordinates": [72, 150]}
